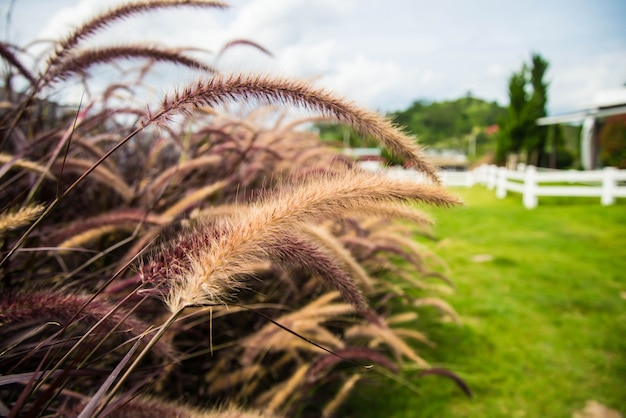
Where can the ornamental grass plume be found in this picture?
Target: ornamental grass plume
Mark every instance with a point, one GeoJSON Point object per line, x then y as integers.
{"type": "Point", "coordinates": [66, 46]}
{"type": "Point", "coordinates": [208, 271]}
{"type": "Point", "coordinates": [268, 89]}
{"type": "Point", "coordinates": [15, 219]}
{"type": "Point", "coordinates": [82, 61]}
{"type": "Point", "coordinates": [67, 310]}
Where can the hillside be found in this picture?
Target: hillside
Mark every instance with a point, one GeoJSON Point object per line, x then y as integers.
{"type": "Point", "coordinates": [449, 123]}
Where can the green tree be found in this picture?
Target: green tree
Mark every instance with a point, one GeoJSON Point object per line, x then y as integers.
{"type": "Point", "coordinates": [515, 126]}
{"type": "Point", "coordinates": [528, 97]}
{"type": "Point", "coordinates": [448, 124]}
{"type": "Point", "coordinates": [535, 143]}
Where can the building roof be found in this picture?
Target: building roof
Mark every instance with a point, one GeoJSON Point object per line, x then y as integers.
{"type": "Point", "coordinates": [604, 104]}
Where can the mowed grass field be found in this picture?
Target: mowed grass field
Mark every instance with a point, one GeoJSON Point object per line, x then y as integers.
{"type": "Point", "coordinates": [542, 298]}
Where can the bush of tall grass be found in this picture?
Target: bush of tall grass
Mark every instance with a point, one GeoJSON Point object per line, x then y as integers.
{"type": "Point", "coordinates": [196, 258]}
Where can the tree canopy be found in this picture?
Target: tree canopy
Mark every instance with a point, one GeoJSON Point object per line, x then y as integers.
{"type": "Point", "coordinates": [447, 124]}
{"type": "Point", "coordinates": [440, 125]}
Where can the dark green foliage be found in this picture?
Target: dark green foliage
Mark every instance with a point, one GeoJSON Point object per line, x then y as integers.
{"type": "Point", "coordinates": [613, 143]}
{"type": "Point", "coordinates": [447, 124]}
{"type": "Point", "coordinates": [528, 96]}
{"type": "Point", "coordinates": [516, 125]}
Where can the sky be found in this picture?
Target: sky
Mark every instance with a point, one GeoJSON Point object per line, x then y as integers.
{"type": "Point", "coordinates": [381, 54]}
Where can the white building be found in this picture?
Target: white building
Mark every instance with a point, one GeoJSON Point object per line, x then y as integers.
{"type": "Point", "coordinates": [605, 104]}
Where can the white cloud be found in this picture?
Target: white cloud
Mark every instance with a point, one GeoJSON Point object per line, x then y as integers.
{"type": "Point", "coordinates": [384, 54]}
{"type": "Point", "coordinates": [576, 84]}
{"type": "Point", "coordinates": [67, 18]}
{"type": "Point", "coordinates": [282, 23]}
{"type": "Point", "coordinates": [385, 85]}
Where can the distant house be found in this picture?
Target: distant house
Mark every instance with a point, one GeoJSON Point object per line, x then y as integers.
{"type": "Point", "coordinates": [606, 105]}
{"type": "Point", "coordinates": [492, 130]}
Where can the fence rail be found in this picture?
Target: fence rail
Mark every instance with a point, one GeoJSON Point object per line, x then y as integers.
{"type": "Point", "coordinates": [531, 183]}
{"type": "Point", "coordinates": [607, 184]}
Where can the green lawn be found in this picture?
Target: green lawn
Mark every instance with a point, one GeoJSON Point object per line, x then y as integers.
{"type": "Point", "coordinates": [543, 309]}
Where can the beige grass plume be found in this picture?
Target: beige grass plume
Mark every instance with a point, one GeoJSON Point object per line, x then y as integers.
{"type": "Point", "coordinates": [15, 219]}
{"type": "Point", "coordinates": [81, 61]}
{"type": "Point", "coordinates": [208, 268]}
{"type": "Point", "coordinates": [221, 89]}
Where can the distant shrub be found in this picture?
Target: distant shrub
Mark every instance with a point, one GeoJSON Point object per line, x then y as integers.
{"type": "Point", "coordinates": [613, 143]}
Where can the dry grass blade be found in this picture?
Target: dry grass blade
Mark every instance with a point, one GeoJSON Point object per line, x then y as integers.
{"type": "Point", "coordinates": [94, 403]}
{"type": "Point", "coordinates": [300, 251]}
{"type": "Point", "coordinates": [401, 317]}
{"type": "Point", "coordinates": [340, 397]}
{"type": "Point", "coordinates": [78, 240]}
{"type": "Point", "coordinates": [401, 245]}
{"type": "Point", "coordinates": [249, 203]}
{"type": "Point", "coordinates": [288, 388]}
{"type": "Point", "coordinates": [303, 323]}
{"type": "Point", "coordinates": [193, 199]}
{"type": "Point", "coordinates": [226, 381]}
{"type": "Point", "coordinates": [148, 407]}
{"type": "Point", "coordinates": [388, 336]}
{"type": "Point", "coordinates": [173, 173]}
{"type": "Point", "coordinates": [340, 252]}
{"type": "Point", "coordinates": [12, 161]}
{"type": "Point", "coordinates": [411, 333]}
{"type": "Point", "coordinates": [123, 219]}
{"type": "Point", "coordinates": [100, 173]}
{"type": "Point", "coordinates": [323, 364]}
{"type": "Point", "coordinates": [224, 88]}
{"type": "Point", "coordinates": [442, 306]}
{"type": "Point", "coordinates": [403, 212]}
{"type": "Point", "coordinates": [437, 371]}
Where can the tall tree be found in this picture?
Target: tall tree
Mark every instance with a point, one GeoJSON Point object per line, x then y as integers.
{"type": "Point", "coordinates": [535, 143]}
{"type": "Point", "coordinates": [528, 97]}
{"type": "Point", "coordinates": [515, 126]}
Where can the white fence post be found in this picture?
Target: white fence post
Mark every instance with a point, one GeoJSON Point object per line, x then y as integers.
{"type": "Point", "coordinates": [609, 186]}
{"type": "Point", "coordinates": [501, 182]}
{"type": "Point", "coordinates": [530, 187]}
{"type": "Point", "coordinates": [470, 179]}
{"type": "Point", "coordinates": [492, 172]}
{"type": "Point", "coordinates": [482, 174]}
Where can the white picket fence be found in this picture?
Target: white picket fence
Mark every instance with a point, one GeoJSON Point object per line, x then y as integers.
{"type": "Point", "coordinates": [531, 183]}
{"type": "Point", "coordinates": [607, 184]}
{"type": "Point", "coordinates": [448, 178]}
